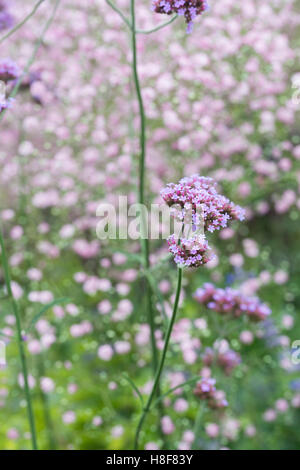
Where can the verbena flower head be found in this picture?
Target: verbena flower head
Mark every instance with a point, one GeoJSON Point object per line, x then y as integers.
{"type": "Point", "coordinates": [9, 70]}
{"type": "Point", "coordinates": [187, 8]}
{"type": "Point", "coordinates": [206, 390]}
{"type": "Point", "coordinates": [191, 252]}
{"type": "Point", "coordinates": [199, 195]}
{"type": "Point", "coordinates": [195, 202]}
{"type": "Point", "coordinates": [232, 302]}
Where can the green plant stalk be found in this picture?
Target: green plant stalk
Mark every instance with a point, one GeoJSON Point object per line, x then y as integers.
{"type": "Point", "coordinates": [20, 343]}
{"type": "Point", "coordinates": [162, 361]}
{"type": "Point", "coordinates": [141, 198]}
{"type": "Point", "coordinates": [141, 192]}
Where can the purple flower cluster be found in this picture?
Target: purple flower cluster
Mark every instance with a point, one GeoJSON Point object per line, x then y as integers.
{"type": "Point", "coordinates": [228, 360]}
{"type": "Point", "coordinates": [6, 19]}
{"type": "Point", "coordinates": [206, 390]}
{"type": "Point", "coordinates": [9, 70]}
{"type": "Point", "coordinates": [232, 302]}
{"type": "Point", "coordinates": [199, 195]}
{"type": "Point", "coordinates": [187, 8]}
{"type": "Point", "coordinates": [192, 252]}
{"type": "Point", "coordinates": [196, 203]}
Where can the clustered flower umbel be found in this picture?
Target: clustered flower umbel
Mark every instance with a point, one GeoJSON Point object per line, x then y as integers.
{"type": "Point", "coordinates": [227, 360]}
{"type": "Point", "coordinates": [6, 19]}
{"type": "Point", "coordinates": [192, 252]}
{"type": "Point", "coordinates": [187, 8]}
{"type": "Point", "coordinates": [231, 302]}
{"type": "Point", "coordinates": [206, 390]}
{"type": "Point", "coordinates": [197, 198]}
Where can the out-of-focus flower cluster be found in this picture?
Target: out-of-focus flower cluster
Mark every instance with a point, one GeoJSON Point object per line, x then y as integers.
{"type": "Point", "coordinates": [227, 360]}
{"type": "Point", "coordinates": [187, 8]}
{"type": "Point", "coordinates": [231, 302]}
{"type": "Point", "coordinates": [206, 390]}
{"type": "Point", "coordinates": [9, 70]}
{"type": "Point", "coordinates": [6, 19]}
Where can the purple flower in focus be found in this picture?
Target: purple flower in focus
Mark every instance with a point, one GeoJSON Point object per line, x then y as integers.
{"type": "Point", "coordinates": [195, 202]}
{"type": "Point", "coordinates": [199, 194]}
{"type": "Point", "coordinates": [191, 252]}
{"type": "Point", "coordinates": [187, 8]}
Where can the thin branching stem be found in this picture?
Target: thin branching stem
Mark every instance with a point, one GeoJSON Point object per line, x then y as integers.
{"type": "Point", "coordinates": [158, 27]}
{"type": "Point", "coordinates": [162, 360]}
{"type": "Point", "coordinates": [120, 13]}
{"type": "Point", "coordinates": [19, 25]}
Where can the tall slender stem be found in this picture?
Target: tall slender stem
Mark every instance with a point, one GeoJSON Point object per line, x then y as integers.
{"type": "Point", "coordinates": [162, 361]}
{"type": "Point", "coordinates": [141, 192]}
{"type": "Point", "coordinates": [20, 342]}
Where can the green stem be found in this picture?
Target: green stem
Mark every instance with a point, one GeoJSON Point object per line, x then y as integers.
{"type": "Point", "coordinates": [141, 195]}
{"type": "Point", "coordinates": [141, 192]}
{"type": "Point", "coordinates": [162, 361]}
{"type": "Point", "coordinates": [157, 28]}
{"type": "Point", "coordinates": [20, 342]}
{"type": "Point", "coordinates": [120, 13]}
{"type": "Point", "coordinates": [19, 25]}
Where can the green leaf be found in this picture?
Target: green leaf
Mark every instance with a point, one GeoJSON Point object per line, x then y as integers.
{"type": "Point", "coordinates": [134, 388]}
{"type": "Point", "coordinates": [45, 309]}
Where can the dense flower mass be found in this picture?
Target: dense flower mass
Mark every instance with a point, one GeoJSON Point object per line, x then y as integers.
{"type": "Point", "coordinates": [9, 70]}
{"type": "Point", "coordinates": [197, 204]}
{"type": "Point", "coordinates": [191, 252]}
{"type": "Point", "coordinates": [187, 8]}
{"type": "Point", "coordinates": [232, 302]}
{"type": "Point", "coordinates": [198, 195]}
{"type": "Point", "coordinates": [206, 390]}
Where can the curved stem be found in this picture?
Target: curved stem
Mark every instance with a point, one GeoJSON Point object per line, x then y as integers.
{"type": "Point", "coordinates": [19, 25]}
{"type": "Point", "coordinates": [120, 13]}
{"type": "Point", "coordinates": [158, 27]}
{"type": "Point", "coordinates": [20, 343]}
{"type": "Point", "coordinates": [162, 361]}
